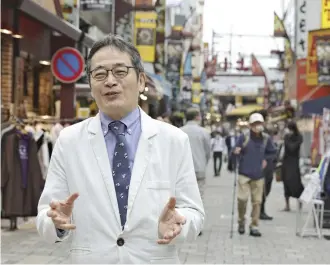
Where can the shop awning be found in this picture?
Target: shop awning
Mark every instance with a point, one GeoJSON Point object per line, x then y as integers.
{"type": "Point", "coordinates": [315, 106]}
{"type": "Point", "coordinates": [244, 110]}
{"type": "Point", "coordinates": [54, 22]}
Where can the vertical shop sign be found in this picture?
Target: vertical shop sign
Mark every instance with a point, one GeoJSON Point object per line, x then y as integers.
{"type": "Point", "coordinates": [145, 35]}
{"type": "Point", "coordinates": [301, 29]}
{"type": "Point", "coordinates": [160, 37]}
{"type": "Point", "coordinates": [323, 60]}
{"type": "Point", "coordinates": [173, 64]}
{"type": "Point", "coordinates": [325, 14]}
{"type": "Point", "coordinates": [312, 60]}
{"type": "Point", "coordinates": [87, 5]}
{"type": "Point", "coordinates": [124, 19]}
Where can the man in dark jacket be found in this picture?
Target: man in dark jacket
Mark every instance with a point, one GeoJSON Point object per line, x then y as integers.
{"type": "Point", "coordinates": [254, 149]}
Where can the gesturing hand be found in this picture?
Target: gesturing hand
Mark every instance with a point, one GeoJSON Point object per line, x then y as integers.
{"type": "Point", "coordinates": [61, 212]}
{"type": "Point", "coordinates": [170, 223]}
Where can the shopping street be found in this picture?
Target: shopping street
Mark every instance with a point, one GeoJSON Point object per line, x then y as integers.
{"type": "Point", "coordinates": [279, 244]}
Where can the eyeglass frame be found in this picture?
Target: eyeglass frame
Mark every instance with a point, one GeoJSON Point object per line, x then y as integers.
{"type": "Point", "coordinates": [110, 70]}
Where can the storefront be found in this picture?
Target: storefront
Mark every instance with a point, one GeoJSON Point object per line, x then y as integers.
{"type": "Point", "coordinates": [30, 35]}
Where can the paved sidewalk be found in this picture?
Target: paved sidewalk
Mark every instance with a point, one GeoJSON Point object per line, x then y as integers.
{"type": "Point", "coordinates": [279, 244]}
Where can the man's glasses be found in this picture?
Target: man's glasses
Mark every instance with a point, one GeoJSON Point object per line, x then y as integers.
{"type": "Point", "coordinates": [119, 72]}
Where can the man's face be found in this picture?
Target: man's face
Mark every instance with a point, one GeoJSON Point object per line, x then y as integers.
{"type": "Point", "coordinates": [257, 127]}
{"type": "Point", "coordinates": [115, 96]}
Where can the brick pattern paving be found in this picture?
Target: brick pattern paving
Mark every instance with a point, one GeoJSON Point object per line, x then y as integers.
{"type": "Point", "coordinates": [279, 244]}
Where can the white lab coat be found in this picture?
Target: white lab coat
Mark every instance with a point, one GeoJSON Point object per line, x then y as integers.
{"type": "Point", "coordinates": [163, 167]}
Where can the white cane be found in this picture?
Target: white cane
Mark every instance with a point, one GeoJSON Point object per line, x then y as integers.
{"type": "Point", "coordinates": [234, 197]}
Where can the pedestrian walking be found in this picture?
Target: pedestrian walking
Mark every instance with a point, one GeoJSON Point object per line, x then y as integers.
{"type": "Point", "coordinates": [121, 183]}
{"type": "Point", "coordinates": [291, 176]}
{"type": "Point", "coordinates": [230, 144]}
{"type": "Point", "coordinates": [218, 147]}
{"type": "Point", "coordinates": [253, 148]}
{"type": "Point", "coordinates": [200, 143]}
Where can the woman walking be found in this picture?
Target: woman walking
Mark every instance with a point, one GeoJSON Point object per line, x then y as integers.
{"type": "Point", "coordinates": [291, 177]}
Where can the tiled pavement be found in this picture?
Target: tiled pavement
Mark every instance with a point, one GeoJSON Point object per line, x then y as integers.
{"type": "Point", "coordinates": [279, 244]}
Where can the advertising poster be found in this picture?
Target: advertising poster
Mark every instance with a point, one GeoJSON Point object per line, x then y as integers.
{"type": "Point", "coordinates": [312, 60]}
{"type": "Point", "coordinates": [124, 19]}
{"type": "Point", "coordinates": [173, 64]}
{"type": "Point", "coordinates": [159, 64]}
{"type": "Point", "coordinates": [323, 60]}
{"type": "Point", "coordinates": [145, 34]}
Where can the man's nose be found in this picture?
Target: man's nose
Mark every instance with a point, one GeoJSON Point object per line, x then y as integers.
{"type": "Point", "coordinates": [111, 80]}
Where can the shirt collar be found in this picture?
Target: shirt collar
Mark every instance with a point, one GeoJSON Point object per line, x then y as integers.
{"type": "Point", "coordinates": [128, 120]}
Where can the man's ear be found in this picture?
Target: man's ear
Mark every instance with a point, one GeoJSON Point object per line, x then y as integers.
{"type": "Point", "coordinates": [142, 82]}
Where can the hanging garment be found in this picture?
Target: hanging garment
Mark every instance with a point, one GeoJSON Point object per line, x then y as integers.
{"type": "Point", "coordinates": [21, 178]}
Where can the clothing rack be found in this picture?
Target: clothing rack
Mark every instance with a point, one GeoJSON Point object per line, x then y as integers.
{"type": "Point", "coordinates": [48, 119]}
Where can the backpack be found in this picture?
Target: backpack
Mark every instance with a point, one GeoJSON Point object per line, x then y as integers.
{"type": "Point", "coordinates": [265, 137]}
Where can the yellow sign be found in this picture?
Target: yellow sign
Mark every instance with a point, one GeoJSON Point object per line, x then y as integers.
{"type": "Point", "coordinates": [311, 63]}
{"type": "Point", "coordinates": [145, 34]}
{"type": "Point", "coordinates": [325, 14]}
{"type": "Point", "coordinates": [196, 92]}
{"type": "Point", "coordinates": [279, 29]}
{"type": "Point", "coordinates": [288, 54]}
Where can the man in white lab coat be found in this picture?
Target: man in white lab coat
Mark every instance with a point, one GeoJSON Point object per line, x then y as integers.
{"type": "Point", "coordinates": [121, 184]}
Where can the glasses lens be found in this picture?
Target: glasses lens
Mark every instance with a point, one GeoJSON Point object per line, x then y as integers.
{"type": "Point", "coordinates": [120, 71]}
{"type": "Point", "coordinates": [100, 74]}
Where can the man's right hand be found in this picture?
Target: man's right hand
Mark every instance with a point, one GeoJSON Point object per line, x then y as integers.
{"type": "Point", "coordinates": [61, 211]}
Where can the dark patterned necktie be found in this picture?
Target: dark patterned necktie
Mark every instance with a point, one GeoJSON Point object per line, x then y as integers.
{"type": "Point", "coordinates": [121, 171]}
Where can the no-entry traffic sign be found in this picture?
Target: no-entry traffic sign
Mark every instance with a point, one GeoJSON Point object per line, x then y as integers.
{"type": "Point", "coordinates": [67, 65]}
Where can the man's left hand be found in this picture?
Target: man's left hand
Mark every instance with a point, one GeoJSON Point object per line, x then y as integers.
{"type": "Point", "coordinates": [170, 223]}
{"type": "Point", "coordinates": [264, 164]}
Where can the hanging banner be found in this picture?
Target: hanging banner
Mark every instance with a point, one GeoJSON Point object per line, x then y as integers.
{"type": "Point", "coordinates": [124, 19]}
{"type": "Point", "coordinates": [315, 146]}
{"type": "Point", "coordinates": [145, 35]}
{"type": "Point", "coordinates": [326, 131]}
{"type": "Point", "coordinates": [301, 29]}
{"type": "Point", "coordinates": [325, 14]}
{"type": "Point", "coordinates": [196, 92]}
{"type": "Point", "coordinates": [279, 29]}
{"type": "Point", "coordinates": [288, 53]}
{"type": "Point", "coordinates": [312, 60]}
{"type": "Point", "coordinates": [257, 70]}
{"type": "Point", "coordinates": [173, 64]}
{"type": "Point", "coordinates": [159, 64]}
{"type": "Point", "coordinates": [323, 60]}
{"type": "Point", "coordinates": [187, 65]}
{"type": "Point", "coordinates": [70, 11]}
{"type": "Point", "coordinates": [87, 5]}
